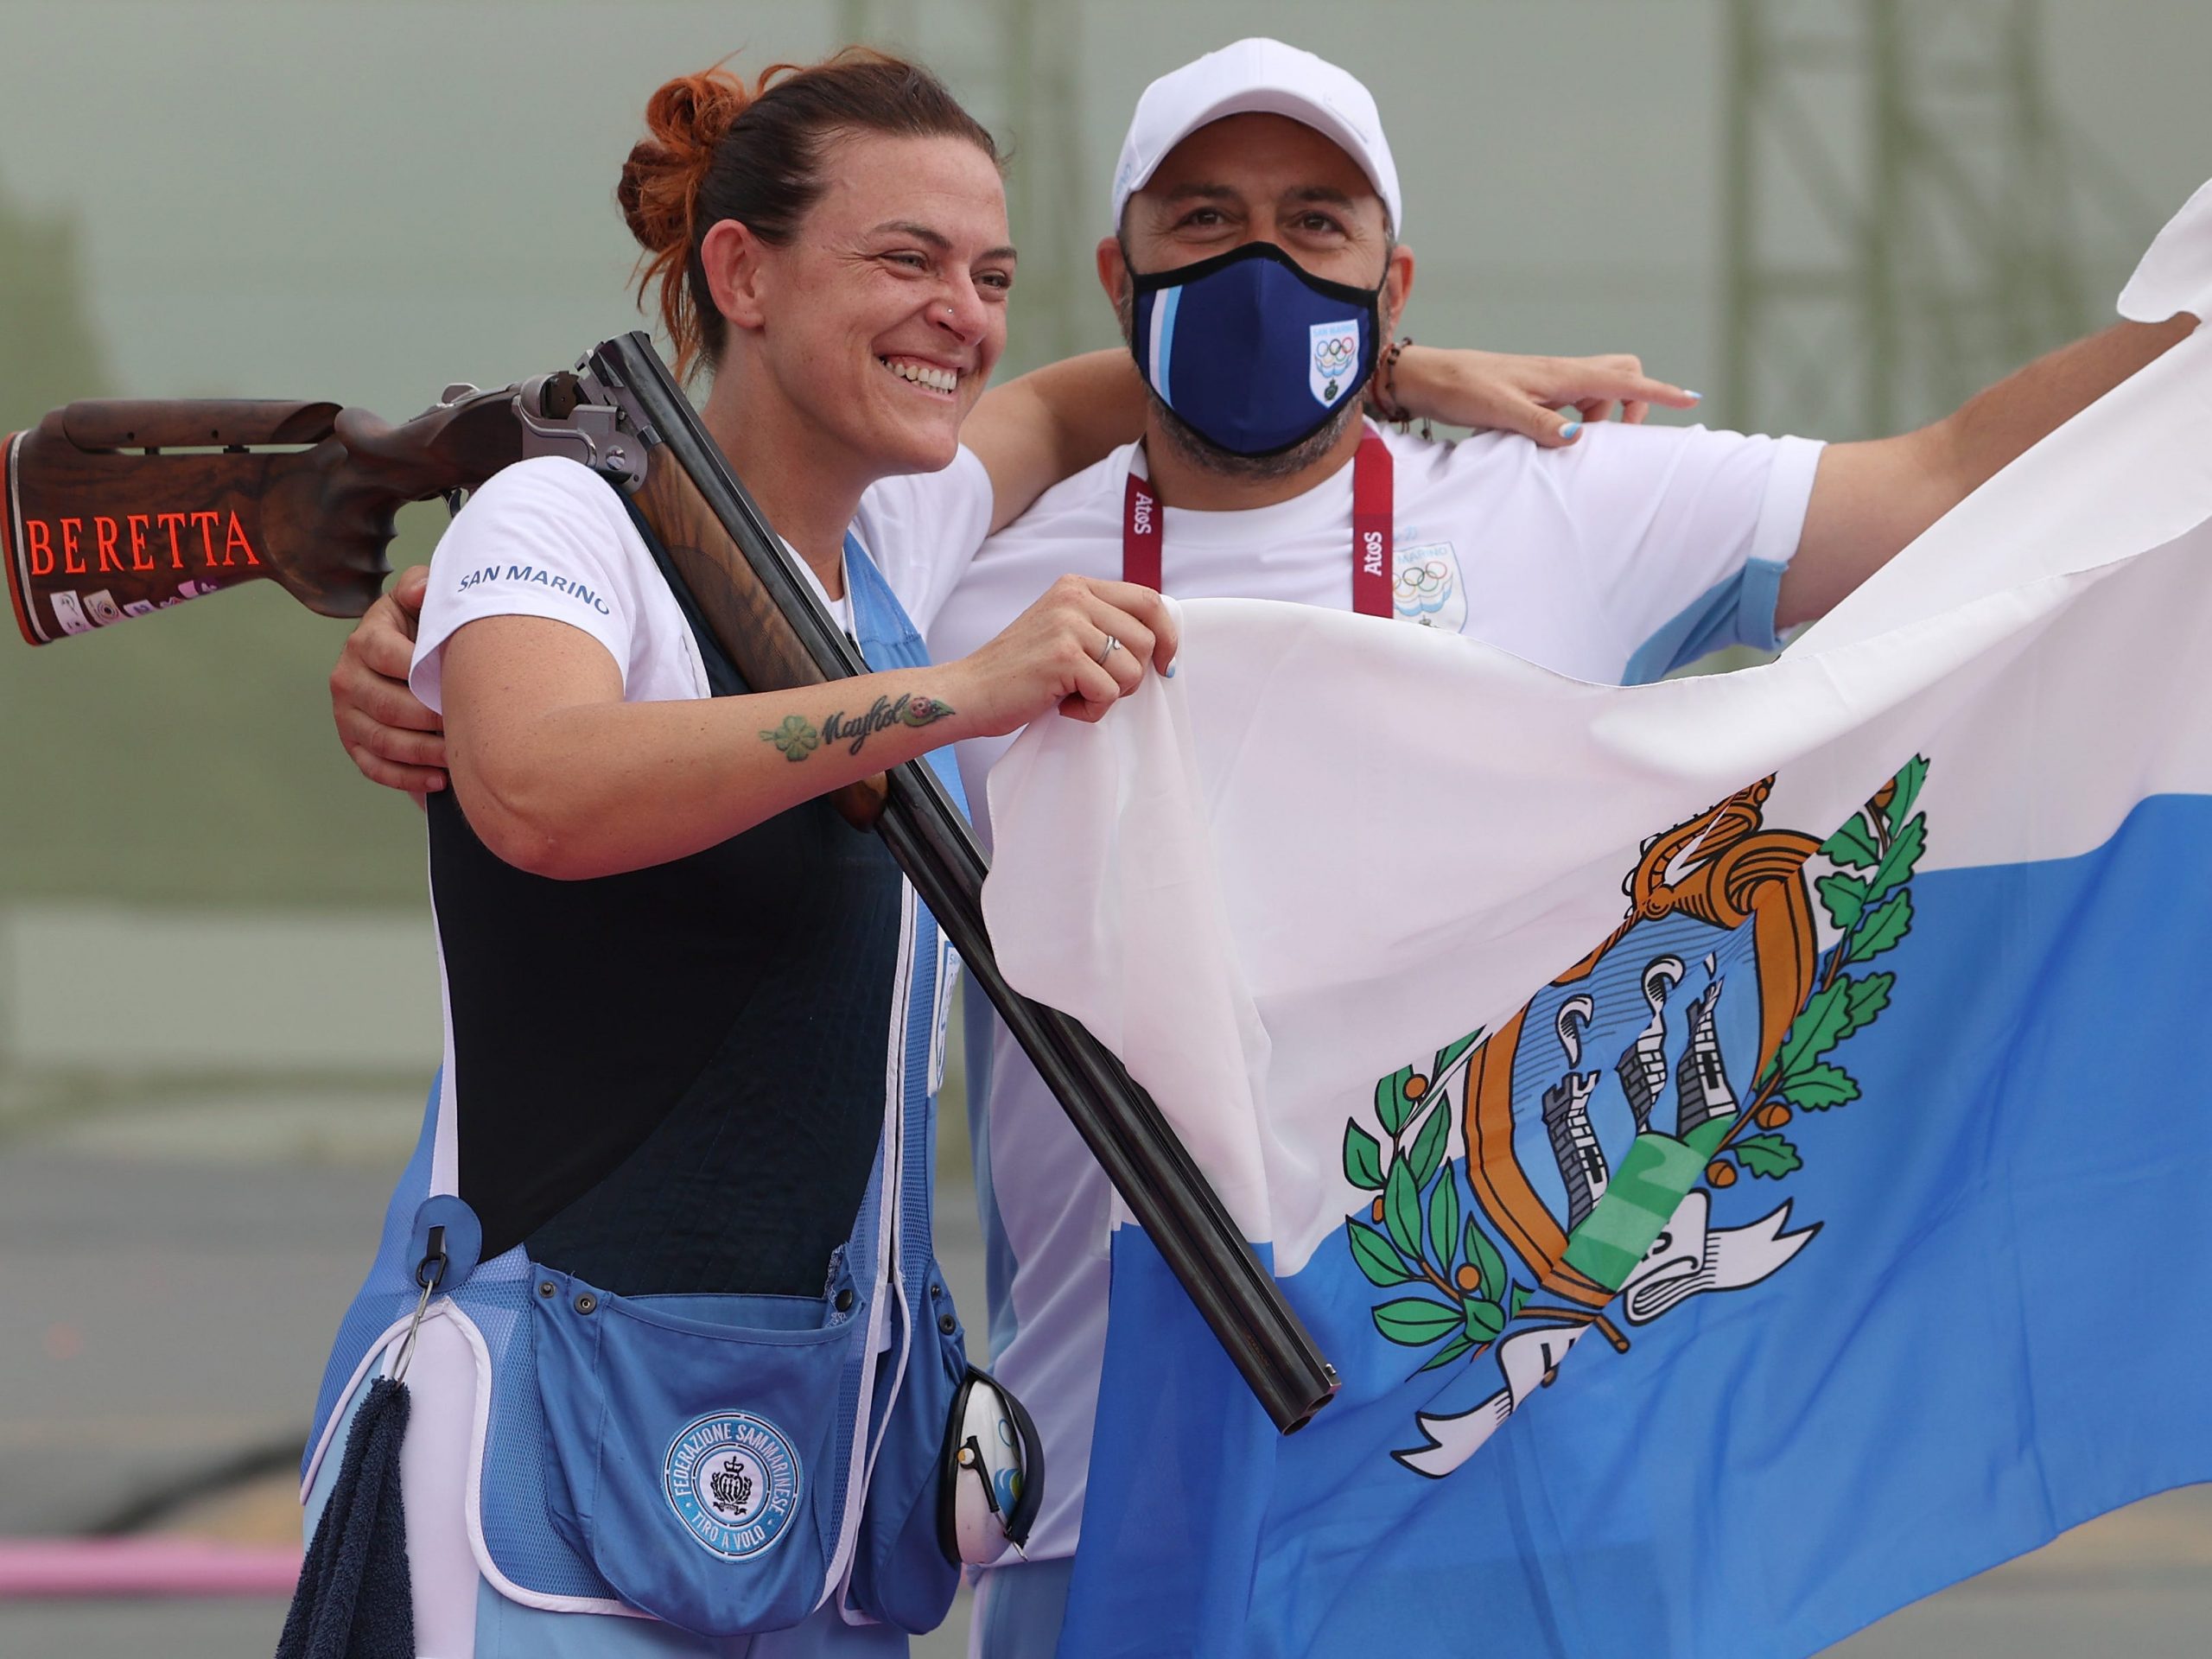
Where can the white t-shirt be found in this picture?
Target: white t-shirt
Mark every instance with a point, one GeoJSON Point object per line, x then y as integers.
{"type": "Point", "coordinates": [1636, 549]}
{"type": "Point", "coordinates": [549, 537]}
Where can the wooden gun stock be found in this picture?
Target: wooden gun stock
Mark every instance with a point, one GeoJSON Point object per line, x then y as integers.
{"type": "Point", "coordinates": [116, 509]}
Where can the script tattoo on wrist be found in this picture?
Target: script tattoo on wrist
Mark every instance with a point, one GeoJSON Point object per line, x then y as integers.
{"type": "Point", "coordinates": [854, 730]}
{"type": "Point", "coordinates": [797, 738]}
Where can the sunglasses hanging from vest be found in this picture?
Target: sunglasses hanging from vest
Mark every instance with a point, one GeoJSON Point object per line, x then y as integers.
{"type": "Point", "coordinates": [993, 1479]}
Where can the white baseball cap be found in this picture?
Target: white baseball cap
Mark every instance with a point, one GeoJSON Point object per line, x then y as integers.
{"type": "Point", "coordinates": [1258, 76]}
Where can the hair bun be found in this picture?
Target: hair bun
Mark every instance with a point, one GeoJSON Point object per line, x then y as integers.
{"type": "Point", "coordinates": [660, 189]}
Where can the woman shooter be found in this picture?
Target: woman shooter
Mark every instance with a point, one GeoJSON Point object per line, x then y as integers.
{"type": "Point", "coordinates": [689, 1355]}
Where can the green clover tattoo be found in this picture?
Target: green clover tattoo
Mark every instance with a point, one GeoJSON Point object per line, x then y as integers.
{"type": "Point", "coordinates": [796, 737]}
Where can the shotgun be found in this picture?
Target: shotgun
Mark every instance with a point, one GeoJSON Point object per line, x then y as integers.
{"type": "Point", "coordinates": [304, 494]}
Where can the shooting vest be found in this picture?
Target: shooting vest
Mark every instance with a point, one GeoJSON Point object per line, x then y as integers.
{"type": "Point", "coordinates": [721, 1357]}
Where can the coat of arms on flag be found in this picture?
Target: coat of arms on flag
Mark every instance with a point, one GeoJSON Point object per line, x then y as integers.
{"type": "Point", "coordinates": [1608, 1119]}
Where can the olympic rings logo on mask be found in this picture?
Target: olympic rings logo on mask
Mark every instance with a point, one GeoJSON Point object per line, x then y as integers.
{"type": "Point", "coordinates": [1335, 356]}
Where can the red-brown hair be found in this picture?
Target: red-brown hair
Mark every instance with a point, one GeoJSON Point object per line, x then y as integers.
{"type": "Point", "coordinates": [719, 149]}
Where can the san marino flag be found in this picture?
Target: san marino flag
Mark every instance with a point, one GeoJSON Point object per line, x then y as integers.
{"type": "Point", "coordinates": [1743, 1141]}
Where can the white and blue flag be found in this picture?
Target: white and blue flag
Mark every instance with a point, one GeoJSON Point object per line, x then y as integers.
{"type": "Point", "coordinates": [1742, 1141]}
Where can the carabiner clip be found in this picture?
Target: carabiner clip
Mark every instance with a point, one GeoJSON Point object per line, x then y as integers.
{"type": "Point", "coordinates": [429, 1273]}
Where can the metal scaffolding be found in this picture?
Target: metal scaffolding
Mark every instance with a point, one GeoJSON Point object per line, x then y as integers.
{"type": "Point", "coordinates": [1903, 210]}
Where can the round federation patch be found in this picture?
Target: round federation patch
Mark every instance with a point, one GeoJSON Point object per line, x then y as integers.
{"type": "Point", "coordinates": [733, 1482]}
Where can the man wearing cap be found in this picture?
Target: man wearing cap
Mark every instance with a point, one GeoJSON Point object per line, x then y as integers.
{"type": "Point", "coordinates": [1257, 267]}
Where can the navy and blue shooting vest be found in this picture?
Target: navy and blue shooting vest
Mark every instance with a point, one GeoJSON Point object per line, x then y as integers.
{"type": "Point", "coordinates": [687, 1228]}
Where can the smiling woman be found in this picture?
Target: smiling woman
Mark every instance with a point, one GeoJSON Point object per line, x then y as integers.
{"type": "Point", "coordinates": [672, 1191]}
{"type": "Point", "coordinates": [671, 189]}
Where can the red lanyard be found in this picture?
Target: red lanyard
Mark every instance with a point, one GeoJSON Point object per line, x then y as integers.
{"type": "Point", "coordinates": [1371, 533]}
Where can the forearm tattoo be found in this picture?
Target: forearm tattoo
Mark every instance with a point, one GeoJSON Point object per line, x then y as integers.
{"type": "Point", "coordinates": [798, 737]}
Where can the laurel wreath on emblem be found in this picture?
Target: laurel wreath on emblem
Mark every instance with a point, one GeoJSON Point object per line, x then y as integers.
{"type": "Point", "coordinates": [1419, 1232]}
{"type": "Point", "coordinates": [1872, 912]}
{"type": "Point", "coordinates": [1413, 1230]}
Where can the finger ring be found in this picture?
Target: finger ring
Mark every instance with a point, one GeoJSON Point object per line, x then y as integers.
{"type": "Point", "coordinates": [1112, 645]}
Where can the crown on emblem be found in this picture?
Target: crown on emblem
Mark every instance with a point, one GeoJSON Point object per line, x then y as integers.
{"type": "Point", "coordinates": [733, 1487]}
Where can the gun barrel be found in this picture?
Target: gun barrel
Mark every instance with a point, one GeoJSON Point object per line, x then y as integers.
{"type": "Point", "coordinates": [779, 635]}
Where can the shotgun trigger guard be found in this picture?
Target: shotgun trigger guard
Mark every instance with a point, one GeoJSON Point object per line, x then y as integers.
{"type": "Point", "coordinates": [593, 433]}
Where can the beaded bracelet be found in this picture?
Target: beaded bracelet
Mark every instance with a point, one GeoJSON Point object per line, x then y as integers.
{"type": "Point", "coordinates": [1382, 388]}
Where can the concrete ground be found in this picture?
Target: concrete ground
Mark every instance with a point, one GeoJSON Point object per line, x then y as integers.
{"type": "Point", "coordinates": [171, 1268]}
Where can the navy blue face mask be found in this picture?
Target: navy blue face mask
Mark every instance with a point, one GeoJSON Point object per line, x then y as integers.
{"type": "Point", "coordinates": [1254, 354]}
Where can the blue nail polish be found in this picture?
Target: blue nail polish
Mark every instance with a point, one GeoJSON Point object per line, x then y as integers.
{"type": "Point", "coordinates": [1168, 672]}
{"type": "Point", "coordinates": [1694, 396]}
{"type": "Point", "coordinates": [1570, 428]}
